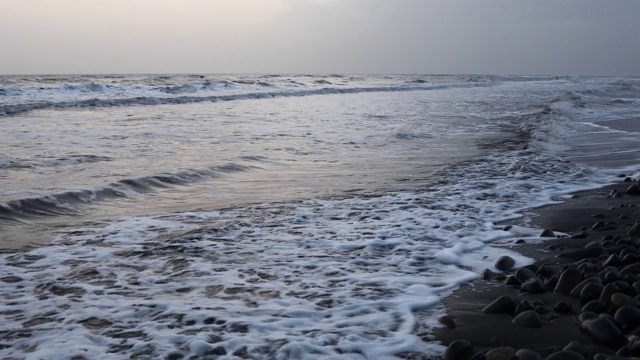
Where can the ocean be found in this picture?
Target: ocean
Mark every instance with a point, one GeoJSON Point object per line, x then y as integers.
{"type": "Point", "coordinates": [278, 216]}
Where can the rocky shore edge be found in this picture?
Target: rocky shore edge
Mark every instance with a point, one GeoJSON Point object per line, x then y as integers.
{"type": "Point", "coordinates": [580, 300]}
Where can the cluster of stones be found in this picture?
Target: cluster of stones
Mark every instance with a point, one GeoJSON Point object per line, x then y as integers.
{"type": "Point", "coordinates": [600, 285]}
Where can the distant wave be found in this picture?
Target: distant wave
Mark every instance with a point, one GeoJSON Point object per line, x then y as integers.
{"type": "Point", "coordinates": [17, 109]}
{"type": "Point", "coordinates": [70, 202]}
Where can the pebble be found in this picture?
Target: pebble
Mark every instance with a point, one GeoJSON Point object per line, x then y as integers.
{"type": "Point", "coordinates": [528, 319]}
{"type": "Point", "coordinates": [505, 263]}
{"type": "Point", "coordinates": [503, 304]}
{"type": "Point", "coordinates": [459, 350]}
{"type": "Point", "coordinates": [586, 315]}
{"type": "Point", "coordinates": [627, 315]}
{"type": "Point", "coordinates": [533, 286]}
{"type": "Point", "coordinates": [565, 355]}
{"type": "Point", "coordinates": [563, 307]}
{"type": "Point", "coordinates": [595, 306]}
{"type": "Point", "coordinates": [11, 279]}
{"type": "Point", "coordinates": [547, 233]}
{"type": "Point", "coordinates": [591, 291]}
{"type": "Point", "coordinates": [603, 329]}
{"type": "Point", "coordinates": [524, 274]}
{"type": "Point", "coordinates": [576, 346]}
{"type": "Point", "coordinates": [587, 253]}
{"type": "Point", "coordinates": [447, 321]}
{"type": "Point", "coordinates": [634, 230]}
{"type": "Point", "coordinates": [619, 300]}
{"type": "Point", "coordinates": [526, 354]}
{"type": "Point", "coordinates": [488, 274]}
{"type": "Point", "coordinates": [578, 289]}
{"type": "Point", "coordinates": [501, 353]}
{"type": "Point", "coordinates": [569, 279]}
{"type": "Point", "coordinates": [633, 190]}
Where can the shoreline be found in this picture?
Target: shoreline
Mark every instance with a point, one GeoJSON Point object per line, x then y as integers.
{"type": "Point", "coordinates": [542, 315]}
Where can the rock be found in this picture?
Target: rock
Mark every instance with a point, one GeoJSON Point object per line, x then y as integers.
{"type": "Point", "coordinates": [633, 269]}
{"type": "Point", "coordinates": [619, 300]}
{"type": "Point", "coordinates": [11, 279]}
{"type": "Point", "coordinates": [512, 281]}
{"type": "Point", "coordinates": [633, 190]}
{"type": "Point", "coordinates": [503, 304]}
{"type": "Point", "coordinates": [507, 228]}
{"type": "Point", "coordinates": [533, 286]}
{"type": "Point", "coordinates": [565, 355]}
{"type": "Point", "coordinates": [627, 316]}
{"type": "Point", "coordinates": [478, 356]}
{"type": "Point", "coordinates": [505, 263]}
{"type": "Point", "coordinates": [595, 306]}
{"type": "Point", "coordinates": [575, 292]}
{"type": "Point", "coordinates": [580, 235]}
{"type": "Point", "coordinates": [599, 216]}
{"type": "Point", "coordinates": [597, 225]}
{"type": "Point", "coordinates": [613, 260]}
{"type": "Point", "coordinates": [614, 194]}
{"type": "Point", "coordinates": [528, 319]}
{"type": "Point", "coordinates": [447, 321]}
{"type": "Point", "coordinates": [526, 354]}
{"type": "Point", "coordinates": [459, 350]}
{"type": "Point", "coordinates": [563, 307]}
{"type": "Point", "coordinates": [524, 305]}
{"type": "Point", "coordinates": [590, 292]}
{"type": "Point", "coordinates": [501, 353]}
{"type": "Point", "coordinates": [569, 279]}
{"type": "Point", "coordinates": [541, 309]}
{"type": "Point", "coordinates": [488, 274]}
{"type": "Point", "coordinates": [604, 330]}
{"type": "Point", "coordinates": [590, 252]}
{"type": "Point", "coordinates": [547, 233]}
{"type": "Point", "coordinates": [634, 231]}
{"type": "Point", "coordinates": [607, 291]}
{"type": "Point", "coordinates": [609, 227]}
{"type": "Point", "coordinates": [524, 274]}
{"type": "Point", "coordinates": [586, 315]}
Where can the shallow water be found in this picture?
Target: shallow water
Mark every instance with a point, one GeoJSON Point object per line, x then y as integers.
{"type": "Point", "coordinates": [309, 224]}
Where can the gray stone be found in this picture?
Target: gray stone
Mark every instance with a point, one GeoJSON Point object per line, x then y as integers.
{"type": "Point", "coordinates": [565, 355]}
{"type": "Point", "coordinates": [547, 233]}
{"type": "Point", "coordinates": [590, 292]}
{"type": "Point", "coordinates": [501, 353]}
{"type": "Point", "coordinates": [459, 350]}
{"type": "Point", "coordinates": [634, 231]}
{"type": "Point", "coordinates": [533, 286]}
{"type": "Point", "coordinates": [604, 330]}
{"type": "Point", "coordinates": [595, 306]}
{"type": "Point", "coordinates": [619, 300]}
{"type": "Point", "coordinates": [627, 315]}
{"type": "Point", "coordinates": [569, 279]}
{"type": "Point", "coordinates": [528, 319]}
{"type": "Point", "coordinates": [504, 263]}
{"type": "Point", "coordinates": [633, 190]}
{"type": "Point", "coordinates": [524, 274]}
{"type": "Point", "coordinates": [576, 346]}
{"type": "Point", "coordinates": [526, 354]}
{"type": "Point", "coordinates": [503, 304]}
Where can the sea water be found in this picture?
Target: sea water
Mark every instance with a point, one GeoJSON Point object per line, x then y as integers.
{"type": "Point", "coordinates": [277, 216]}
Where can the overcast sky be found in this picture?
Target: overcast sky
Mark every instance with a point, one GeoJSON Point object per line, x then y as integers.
{"type": "Point", "coordinates": [560, 37]}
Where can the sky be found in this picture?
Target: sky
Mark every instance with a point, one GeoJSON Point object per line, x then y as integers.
{"type": "Point", "coordinates": [536, 37]}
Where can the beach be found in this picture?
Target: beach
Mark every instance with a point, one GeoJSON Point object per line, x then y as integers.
{"type": "Point", "coordinates": [586, 250]}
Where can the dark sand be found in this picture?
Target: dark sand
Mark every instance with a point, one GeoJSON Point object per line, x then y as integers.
{"type": "Point", "coordinates": [489, 331]}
